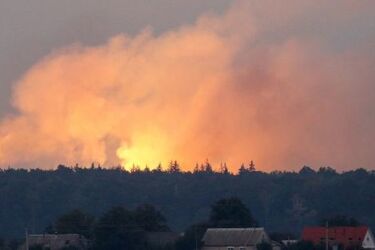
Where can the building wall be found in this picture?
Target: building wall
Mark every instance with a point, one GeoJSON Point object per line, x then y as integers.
{"type": "Point", "coordinates": [56, 242]}
{"type": "Point", "coordinates": [369, 241]}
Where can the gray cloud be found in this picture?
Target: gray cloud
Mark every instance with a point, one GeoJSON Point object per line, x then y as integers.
{"type": "Point", "coordinates": [30, 30]}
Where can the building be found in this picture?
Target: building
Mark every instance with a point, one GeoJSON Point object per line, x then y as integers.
{"type": "Point", "coordinates": [340, 237]}
{"type": "Point", "coordinates": [57, 241]}
{"type": "Point", "coordinates": [236, 239]}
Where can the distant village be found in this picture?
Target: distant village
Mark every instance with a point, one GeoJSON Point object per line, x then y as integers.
{"type": "Point", "coordinates": [230, 227]}
{"type": "Point", "coordinates": [335, 238]}
{"type": "Point", "coordinates": [98, 209]}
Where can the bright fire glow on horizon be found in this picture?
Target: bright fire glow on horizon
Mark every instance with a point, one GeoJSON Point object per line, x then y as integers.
{"type": "Point", "coordinates": [138, 156]}
{"type": "Point", "coordinates": [252, 84]}
{"type": "Point", "coordinates": [147, 152]}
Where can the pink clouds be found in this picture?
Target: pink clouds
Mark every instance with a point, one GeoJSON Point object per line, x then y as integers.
{"type": "Point", "coordinates": [263, 82]}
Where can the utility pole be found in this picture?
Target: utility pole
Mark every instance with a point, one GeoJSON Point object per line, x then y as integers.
{"type": "Point", "coordinates": [26, 239]}
{"type": "Point", "coordinates": [195, 236]}
{"type": "Point", "coordinates": [327, 235]}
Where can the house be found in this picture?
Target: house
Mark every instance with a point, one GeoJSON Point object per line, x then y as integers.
{"type": "Point", "coordinates": [236, 239]}
{"type": "Point", "coordinates": [57, 241]}
{"type": "Point", "coordinates": [346, 237]}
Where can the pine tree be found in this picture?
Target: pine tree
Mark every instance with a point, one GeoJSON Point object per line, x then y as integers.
{"type": "Point", "coordinates": [158, 169]}
{"type": "Point", "coordinates": [252, 167]}
{"type": "Point", "coordinates": [208, 167]}
{"type": "Point", "coordinates": [242, 169]}
{"type": "Point", "coordinates": [196, 168]}
{"type": "Point", "coordinates": [224, 168]}
{"type": "Point", "coordinates": [174, 167]}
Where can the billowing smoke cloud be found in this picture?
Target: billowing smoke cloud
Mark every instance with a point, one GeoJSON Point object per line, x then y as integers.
{"type": "Point", "coordinates": [281, 83]}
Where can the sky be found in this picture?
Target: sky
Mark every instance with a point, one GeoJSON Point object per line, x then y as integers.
{"type": "Point", "coordinates": [32, 29]}
{"type": "Point", "coordinates": [285, 84]}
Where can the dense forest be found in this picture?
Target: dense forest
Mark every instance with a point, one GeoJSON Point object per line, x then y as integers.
{"type": "Point", "coordinates": [121, 228]}
{"type": "Point", "coordinates": [279, 201]}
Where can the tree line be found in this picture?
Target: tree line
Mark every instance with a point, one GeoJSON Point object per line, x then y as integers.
{"type": "Point", "coordinates": [281, 201]}
{"type": "Point", "coordinates": [122, 228]}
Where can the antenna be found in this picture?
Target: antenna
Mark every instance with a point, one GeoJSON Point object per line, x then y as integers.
{"type": "Point", "coordinates": [26, 239]}
{"type": "Point", "coordinates": [326, 235]}
{"type": "Point", "coordinates": [195, 236]}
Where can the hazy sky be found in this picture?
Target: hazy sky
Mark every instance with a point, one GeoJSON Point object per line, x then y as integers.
{"type": "Point", "coordinates": [283, 83]}
{"type": "Point", "coordinates": [29, 30]}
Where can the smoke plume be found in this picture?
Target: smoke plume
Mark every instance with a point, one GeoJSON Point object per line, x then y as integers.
{"type": "Point", "coordinates": [281, 83]}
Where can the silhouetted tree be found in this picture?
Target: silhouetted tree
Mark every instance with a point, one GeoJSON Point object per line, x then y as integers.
{"type": "Point", "coordinates": [14, 244]}
{"type": "Point", "coordinates": [196, 169]}
{"type": "Point", "coordinates": [117, 229]}
{"type": "Point", "coordinates": [158, 169]}
{"type": "Point", "coordinates": [224, 168]}
{"type": "Point", "coordinates": [2, 243]}
{"type": "Point", "coordinates": [35, 198]}
{"type": "Point", "coordinates": [242, 169]}
{"type": "Point", "coordinates": [302, 245]}
{"type": "Point", "coordinates": [340, 221]}
{"type": "Point", "coordinates": [306, 171]}
{"type": "Point", "coordinates": [64, 169]}
{"type": "Point", "coordinates": [76, 222]}
{"type": "Point", "coordinates": [150, 219]}
{"type": "Point", "coordinates": [208, 167]}
{"type": "Point", "coordinates": [327, 171]}
{"type": "Point", "coordinates": [174, 167]}
{"type": "Point", "coordinates": [37, 247]}
{"type": "Point", "coordinates": [252, 166]}
{"type": "Point", "coordinates": [231, 212]}
{"type": "Point", "coordinates": [135, 169]}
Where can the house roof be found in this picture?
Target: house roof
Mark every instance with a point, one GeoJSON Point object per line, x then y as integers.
{"type": "Point", "coordinates": [56, 241]}
{"type": "Point", "coordinates": [234, 236]}
{"type": "Point", "coordinates": [48, 237]}
{"type": "Point", "coordinates": [342, 235]}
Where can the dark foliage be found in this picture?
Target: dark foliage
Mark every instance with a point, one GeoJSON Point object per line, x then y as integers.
{"type": "Point", "coordinates": [76, 222]}
{"type": "Point", "coordinates": [278, 237]}
{"type": "Point", "coordinates": [264, 246]}
{"type": "Point", "coordinates": [281, 201]}
{"type": "Point", "coordinates": [231, 213]}
{"type": "Point", "coordinates": [340, 221]}
{"type": "Point", "coordinates": [302, 245]}
{"type": "Point", "coordinates": [117, 229]}
{"type": "Point", "coordinates": [37, 247]}
{"type": "Point", "coordinates": [14, 244]}
{"type": "Point", "coordinates": [120, 228]}
{"type": "Point", "coordinates": [150, 219]}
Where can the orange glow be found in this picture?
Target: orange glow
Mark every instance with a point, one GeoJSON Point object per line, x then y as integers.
{"type": "Point", "coordinates": [229, 88]}
{"type": "Point", "coordinates": [137, 156]}
{"type": "Point", "coordinates": [148, 150]}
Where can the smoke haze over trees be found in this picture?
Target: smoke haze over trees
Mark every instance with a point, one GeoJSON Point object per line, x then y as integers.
{"type": "Point", "coordinates": [279, 201]}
